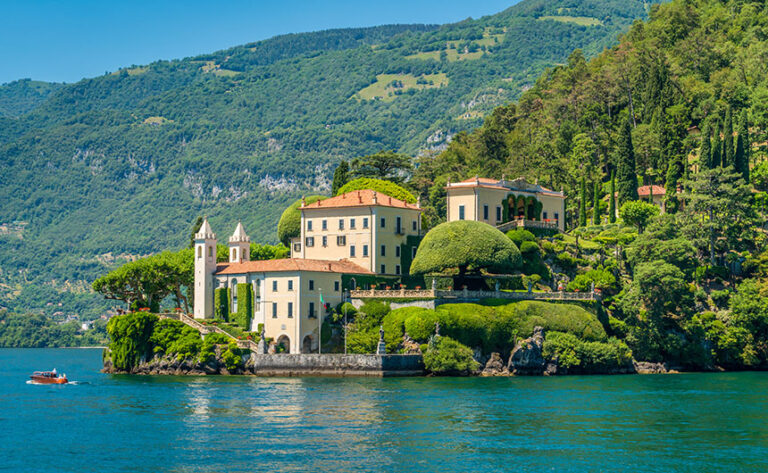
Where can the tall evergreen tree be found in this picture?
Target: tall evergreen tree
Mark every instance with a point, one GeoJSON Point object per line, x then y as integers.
{"type": "Point", "coordinates": [705, 152]}
{"type": "Point", "coordinates": [583, 204]}
{"type": "Point", "coordinates": [626, 173]}
{"type": "Point", "coordinates": [612, 207]}
{"type": "Point", "coordinates": [596, 204]}
{"type": "Point", "coordinates": [195, 229]}
{"type": "Point", "coordinates": [340, 177]}
{"type": "Point", "coordinates": [743, 144]}
{"type": "Point", "coordinates": [715, 161]}
{"type": "Point", "coordinates": [727, 154]}
{"type": "Point", "coordinates": [674, 173]}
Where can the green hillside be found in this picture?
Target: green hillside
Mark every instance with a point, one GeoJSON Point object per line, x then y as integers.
{"type": "Point", "coordinates": [120, 165]}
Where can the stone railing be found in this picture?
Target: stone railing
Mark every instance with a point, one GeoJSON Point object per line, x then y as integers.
{"type": "Point", "coordinates": [466, 294]}
{"type": "Point", "coordinates": [206, 329]}
{"type": "Point", "coordinates": [524, 223]}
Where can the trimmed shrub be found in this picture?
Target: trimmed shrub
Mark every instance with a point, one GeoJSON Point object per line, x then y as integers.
{"type": "Point", "coordinates": [583, 282]}
{"type": "Point", "coordinates": [221, 303]}
{"type": "Point", "coordinates": [385, 187]}
{"type": "Point", "coordinates": [529, 248]}
{"type": "Point", "coordinates": [447, 356]}
{"type": "Point", "coordinates": [521, 235]}
{"type": "Point", "coordinates": [375, 310]}
{"type": "Point", "coordinates": [465, 246]}
{"type": "Point", "coordinates": [244, 307]}
{"type": "Point", "coordinates": [130, 336]}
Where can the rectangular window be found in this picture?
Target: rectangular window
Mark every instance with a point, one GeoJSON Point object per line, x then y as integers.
{"type": "Point", "coordinates": [274, 310]}
{"type": "Point", "coordinates": [352, 223]}
{"type": "Point", "coordinates": [341, 240]}
{"type": "Point", "coordinates": [383, 222]}
{"type": "Point", "coordinates": [557, 216]}
{"type": "Point", "coordinates": [309, 225]}
{"type": "Point", "coordinates": [485, 212]}
{"type": "Point", "coordinates": [310, 242]}
{"type": "Point", "coordinates": [498, 213]}
{"type": "Point", "coordinates": [413, 252]}
{"type": "Point", "coordinates": [544, 216]}
{"type": "Point", "coordinates": [325, 224]}
{"type": "Point", "coordinates": [414, 225]}
{"type": "Point", "coordinates": [398, 226]}
{"type": "Point", "coordinates": [290, 285]}
{"type": "Point", "coordinates": [397, 251]}
{"type": "Point", "coordinates": [383, 269]}
{"type": "Point", "coordinates": [325, 241]}
{"type": "Point", "coordinates": [461, 212]}
{"type": "Point", "coordinates": [336, 286]}
{"type": "Point", "coordinates": [290, 310]}
{"type": "Point", "coordinates": [341, 224]}
{"type": "Point", "coordinates": [365, 251]}
{"type": "Point", "coordinates": [365, 222]}
{"type": "Point", "coordinates": [296, 247]}
{"type": "Point", "coordinates": [274, 286]}
{"type": "Point", "coordinates": [397, 269]}
{"type": "Point", "coordinates": [383, 250]}
{"type": "Point", "coordinates": [312, 310]}
{"type": "Point", "coordinates": [311, 284]}
{"type": "Point", "coordinates": [352, 251]}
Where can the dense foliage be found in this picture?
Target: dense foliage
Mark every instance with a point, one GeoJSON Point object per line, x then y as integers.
{"type": "Point", "coordinates": [39, 331]}
{"type": "Point", "coordinates": [379, 185]}
{"type": "Point", "coordinates": [289, 225]}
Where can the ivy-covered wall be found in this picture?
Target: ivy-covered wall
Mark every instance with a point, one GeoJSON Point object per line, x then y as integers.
{"type": "Point", "coordinates": [221, 299]}
{"type": "Point", "coordinates": [244, 306]}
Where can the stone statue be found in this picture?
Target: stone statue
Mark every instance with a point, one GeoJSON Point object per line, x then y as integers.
{"type": "Point", "coordinates": [437, 329]}
{"type": "Point", "coordinates": [434, 284]}
{"type": "Point", "coordinates": [381, 349]}
{"type": "Point", "coordinates": [498, 286]}
{"type": "Point", "coordinates": [262, 348]}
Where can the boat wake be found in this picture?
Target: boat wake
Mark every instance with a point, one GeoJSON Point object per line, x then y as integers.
{"type": "Point", "coordinates": [70, 383]}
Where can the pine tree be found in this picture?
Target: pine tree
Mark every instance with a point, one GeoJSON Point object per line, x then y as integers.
{"type": "Point", "coordinates": [340, 177]}
{"type": "Point", "coordinates": [626, 173]}
{"type": "Point", "coordinates": [715, 161]}
{"type": "Point", "coordinates": [705, 152]}
{"type": "Point", "coordinates": [612, 207]}
{"type": "Point", "coordinates": [727, 154]}
{"type": "Point", "coordinates": [583, 204]}
{"type": "Point", "coordinates": [596, 204]}
{"type": "Point", "coordinates": [741, 154]}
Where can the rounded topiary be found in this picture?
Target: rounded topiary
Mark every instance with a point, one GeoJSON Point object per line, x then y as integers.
{"type": "Point", "coordinates": [520, 235]}
{"type": "Point", "coordinates": [465, 246]}
{"type": "Point", "coordinates": [529, 248]}
{"type": "Point", "coordinates": [385, 187]}
{"type": "Point", "coordinates": [289, 225]}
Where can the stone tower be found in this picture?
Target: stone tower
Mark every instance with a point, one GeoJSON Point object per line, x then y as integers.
{"type": "Point", "coordinates": [239, 245]}
{"type": "Point", "coordinates": [205, 267]}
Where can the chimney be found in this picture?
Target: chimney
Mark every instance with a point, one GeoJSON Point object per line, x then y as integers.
{"type": "Point", "coordinates": [375, 198]}
{"type": "Point", "coordinates": [390, 201]}
{"type": "Point", "coordinates": [418, 202]}
{"type": "Point", "coordinates": [360, 197]}
{"type": "Point", "coordinates": [303, 201]}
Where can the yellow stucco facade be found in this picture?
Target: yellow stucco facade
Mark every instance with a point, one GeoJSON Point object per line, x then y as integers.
{"type": "Point", "coordinates": [496, 202]}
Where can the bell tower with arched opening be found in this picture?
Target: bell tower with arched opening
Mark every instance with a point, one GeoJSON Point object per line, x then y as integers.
{"type": "Point", "coordinates": [205, 267]}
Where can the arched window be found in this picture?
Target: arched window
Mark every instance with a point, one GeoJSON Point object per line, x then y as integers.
{"type": "Point", "coordinates": [234, 254]}
{"type": "Point", "coordinates": [210, 251]}
{"type": "Point", "coordinates": [199, 252]}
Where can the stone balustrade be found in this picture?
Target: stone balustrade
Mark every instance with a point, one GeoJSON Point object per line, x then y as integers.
{"type": "Point", "coordinates": [467, 294]}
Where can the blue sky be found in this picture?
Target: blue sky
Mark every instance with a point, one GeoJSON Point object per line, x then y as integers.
{"type": "Point", "coordinates": [67, 40]}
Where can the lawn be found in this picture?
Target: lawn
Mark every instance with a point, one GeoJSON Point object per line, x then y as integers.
{"type": "Point", "coordinates": [388, 86]}
{"type": "Point", "coordinates": [578, 20]}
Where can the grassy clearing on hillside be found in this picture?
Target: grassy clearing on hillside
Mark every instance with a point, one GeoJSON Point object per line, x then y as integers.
{"type": "Point", "coordinates": [583, 243]}
{"type": "Point", "coordinates": [388, 86]}
{"type": "Point", "coordinates": [453, 53]}
{"type": "Point", "coordinates": [215, 69]}
{"type": "Point", "coordinates": [578, 20]}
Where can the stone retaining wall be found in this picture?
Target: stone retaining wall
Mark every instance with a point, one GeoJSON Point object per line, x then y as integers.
{"type": "Point", "coordinates": [335, 365]}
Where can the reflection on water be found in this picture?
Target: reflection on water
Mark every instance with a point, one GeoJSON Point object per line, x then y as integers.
{"type": "Point", "coordinates": [697, 422]}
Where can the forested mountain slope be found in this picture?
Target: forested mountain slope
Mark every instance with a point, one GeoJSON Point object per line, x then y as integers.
{"type": "Point", "coordinates": [120, 165]}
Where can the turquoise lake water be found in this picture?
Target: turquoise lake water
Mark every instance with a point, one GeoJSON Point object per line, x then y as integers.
{"type": "Point", "coordinates": [105, 423]}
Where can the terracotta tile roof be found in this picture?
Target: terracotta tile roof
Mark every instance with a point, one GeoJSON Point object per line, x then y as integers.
{"type": "Point", "coordinates": [503, 185]}
{"type": "Point", "coordinates": [291, 264]}
{"type": "Point", "coordinates": [645, 191]}
{"type": "Point", "coordinates": [361, 198]}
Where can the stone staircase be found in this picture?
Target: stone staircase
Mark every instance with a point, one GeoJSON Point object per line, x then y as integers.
{"type": "Point", "coordinates": [206, 329]}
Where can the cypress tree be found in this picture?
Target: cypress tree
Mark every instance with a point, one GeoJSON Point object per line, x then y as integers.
{"type": "Point", "coordinates": [743, 145]}
{"type": "Point", "coordinates": [715, 160]}
{"type": "Point", "coordinates": [626, 173]}
{"type": "Point", "coordinates": [673, 177]}
{"type": "Point", "coordinates": [195, 229]}
{"type": "Point", "coordinates": [340, 177]}
{"type": "Point", "coordinates": [705, 152]}
{"type": "Point", "coordinates": [612, 208]}
{"type": "Point", "coordinates": [727, 154]}
{"type": "Point", "coordinates": [583, 204]}
{"type": "Point", "coordinates": [596, 204]}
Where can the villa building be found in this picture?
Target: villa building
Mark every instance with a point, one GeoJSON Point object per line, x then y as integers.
{"type": "Point", "coordinates": [499, 202]}
{"type": "Point", "coordinates": [354, 235]}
